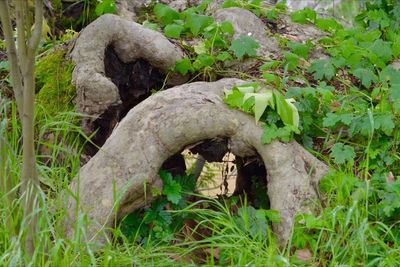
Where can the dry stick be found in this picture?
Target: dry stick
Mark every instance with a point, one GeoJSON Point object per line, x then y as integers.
{"type": "Point", "coordinates": [15, 71]}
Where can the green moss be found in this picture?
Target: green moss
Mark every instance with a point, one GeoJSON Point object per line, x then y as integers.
{"type": "Point", "coordinates": [53, 81]}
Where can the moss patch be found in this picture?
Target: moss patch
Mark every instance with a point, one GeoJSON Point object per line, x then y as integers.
{"type": "Point", "coordinates": [53, 81]}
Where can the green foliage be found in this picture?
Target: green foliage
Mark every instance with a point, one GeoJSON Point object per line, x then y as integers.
{"type": "Point", "coordinates": [244, 46]}
{"type": "Point", "coordinates": [270, 107]}
{"type": "Point", "coordinates": [104, 7]}
{"type": "Point", "coordinates": [53, 82]}
{"type": "Point", "coordinates": [214, 44]}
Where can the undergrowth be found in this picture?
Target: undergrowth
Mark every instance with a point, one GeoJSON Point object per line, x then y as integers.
{"type": "Point", "coordinates": [345, 110]}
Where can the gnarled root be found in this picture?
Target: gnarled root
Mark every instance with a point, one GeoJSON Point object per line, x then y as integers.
{"type": "Point", "coordinates": [165, 124]}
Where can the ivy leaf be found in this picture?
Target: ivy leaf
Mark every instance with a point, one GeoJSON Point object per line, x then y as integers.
{"type": "Point", "coordinates": [183, 66]}
{"type": "Point", "coordinates": [165, 14]}
{"type": "Point", "coordinates": [322, 68]}
{"type": "Point", "coordinates": [244, 45]}
{"type": "Point", "coordinates": [173, 30]}
{"type": "Point", "coordinates": [272, 132]}
{"type": "Point", "coordinates": [233, 98]}
{"type": "Point", "coordinates": [366, 76]}
{"type": "Point", "coordinates": [261, 102]}
{"type": "Point", "coordinates": [288, 113]}
{"type": "Point", "coordinates": [342, 153]}
{"type": "Point", "coordinates": [196, 22]}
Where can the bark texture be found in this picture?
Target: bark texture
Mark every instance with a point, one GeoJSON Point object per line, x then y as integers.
{"type": "Point", "coordinates": [165, 124]}
{"type": "Point", "coordinates": [131, 41]}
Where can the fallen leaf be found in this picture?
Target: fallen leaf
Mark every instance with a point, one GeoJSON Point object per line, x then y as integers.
{"type": "Point", "coordinates": [304, 254]}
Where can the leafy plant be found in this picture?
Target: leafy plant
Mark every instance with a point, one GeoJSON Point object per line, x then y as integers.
{"type": "Point", "coordinates": [270, 107]}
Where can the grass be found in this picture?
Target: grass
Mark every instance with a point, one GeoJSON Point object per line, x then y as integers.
{"type": "Point", "coordinates": [348, 231]}
{"type": "Point", "coordinates": [357, 224]}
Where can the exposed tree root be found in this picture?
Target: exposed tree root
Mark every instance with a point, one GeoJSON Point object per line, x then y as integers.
{"type": "Point", "coordinates": [163, 125]}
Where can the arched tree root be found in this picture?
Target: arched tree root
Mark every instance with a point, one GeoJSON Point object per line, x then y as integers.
{"type": "Point", "coordinates": [127, 166]}
{"type": "Point", "coordinates": [131, 41]}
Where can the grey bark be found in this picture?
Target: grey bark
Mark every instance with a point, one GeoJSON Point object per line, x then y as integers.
{"type": "Point", "coordinates": [165, 124]}
{"type": "Point", "coordinates": [131, 41]}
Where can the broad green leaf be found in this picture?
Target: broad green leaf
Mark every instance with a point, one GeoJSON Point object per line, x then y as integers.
{"type": "Point", "coordinates": [226, 27]}
{"type": "Point", "coordinates": [295, 112]}
{"type": "Point", "coordinates": [289, 115]}
{"type": "Point", "coordinates": [384, 121]}
{"type": "Point", "coordinates": [303, 16]}
{"type": "Point", "coordinates": [196, 22]}
{"type": "Point", "coordinates": [322, 68]}
{"type": "Point", "coordinates": [342, 153]}
{"type": "Point", "coordinates": [150, 25]}
{"type": "Point", "coordinates": [203, 60]}
{"type": "Point", "coordinates": [173, 191]}
{"type": "Point", "coordinates": [165, 14]}
{"type": "Point", "coordinates": [224, 56]}
{"type": "Point", "coordinates": [183, 66]}
{"type": "Point", "coordinates": [244, 46]}
{"type": "Point", "coordinates": [247, 88]}
{"type": "Point", "coordinates": [366, 76]}
{"type": "Point", "coordinates": [104, 7]}
{"type": "Point", "coordinates": [173, 30]}
{"type": "Point", "coordinates": [233, 98]}
{"type": "Point", "coordinates": [261, 102]}
{"type": "Point", "coordinates": [300, 49]}
{"type": "Point", "coordinates": [328, 24]}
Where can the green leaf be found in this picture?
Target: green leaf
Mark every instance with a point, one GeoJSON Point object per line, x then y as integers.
{"type": "Point", "coordinates": [104, 7]}
{"type": "Point", "coordinates": [328, 24]}
{"type": "Point", "coordinates": [226, 27]}
{"type": "Point", "coordinates": [233, 98]}
{"type": "Point", "coordinates": [149, 25]}
{"type": "Point", "coordinates": [382, 50]}
{"type": "Point", "coordinates": [165, 14]}
{"type": "Point", "coordinates": [384, 121]}
{"type": "Point", "coordinates": [244, 45]}
{"type": "Point", "coordinates": [286, 110]}
{"type": "Point", "coordinates": [173, 191]}
{"type": "Point", "coordinates": [183, 66]}
{"type": "Point", "coordinates": [300, 49]}
{"type": "Point", "coordinates": [272, 132]}
{"type": "Point", "coordinates": [322, 68]}
{"type": "Point", "coordinates": [273, 215]}
{"type": "Point", "coordinates": [196, 22]}
{"type": "Point", "coordinates": [303, 16]}
{"type": "Point", "coordinates": [4, 66]}
{"type": "Point", "coordinates": [261, 102]}
{"type": "Point", "coordinates": [342, 153]}
{"type": "Point", "coordinates": [224, 56]}
{"type": "Point", "coordinates": [366, 76]}
{"type": "Point", "coordinates": [173, 30]}
{"type": "Point", "coordinates": [202, 61]}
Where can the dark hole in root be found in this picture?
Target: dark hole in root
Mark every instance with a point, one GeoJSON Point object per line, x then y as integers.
{"type": "Point", "coordinates": [135, 81]}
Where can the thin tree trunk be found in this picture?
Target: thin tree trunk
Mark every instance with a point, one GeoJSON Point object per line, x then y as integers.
{"type": "Point", "coordinates": [22, 63]}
